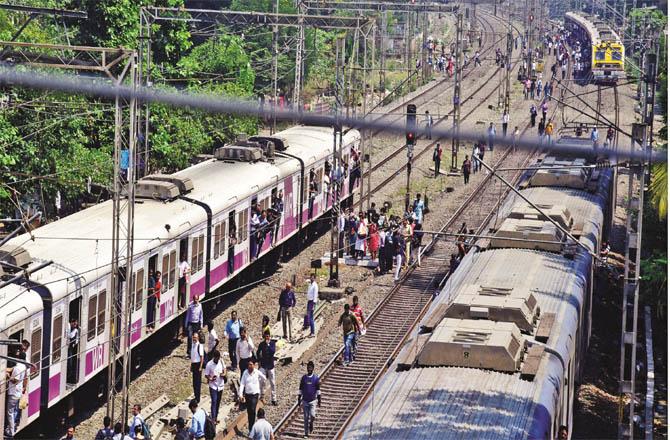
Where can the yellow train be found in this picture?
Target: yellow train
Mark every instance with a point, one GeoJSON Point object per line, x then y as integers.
{"type": "Point", "coordinates": [607, 55]}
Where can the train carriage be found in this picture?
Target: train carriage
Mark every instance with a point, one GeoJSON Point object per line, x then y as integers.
{"type": "Point", "coordinates": [605, 53]}
{"type": "Point", "coordinates": [200, 214]}
{"type": "Point", "coordinates": [499, 351]}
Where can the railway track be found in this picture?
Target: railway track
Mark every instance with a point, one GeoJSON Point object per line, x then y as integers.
{"type": "Point", "coordinates": [345, 388]}
{"type": "Point", "coordinates": [488, 46]}
{"type": "Point", "coordinates": [429, 147]}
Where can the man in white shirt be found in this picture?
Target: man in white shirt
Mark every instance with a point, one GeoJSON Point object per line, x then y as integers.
{"type": "Point", "coordinates": [138, 420]}
{"type": "Point", "coordinates": [312, 299]}
{"type": "Point", "coordinates": [184, 272]}
{"type": "Point", "coordinates": [215, 372]}
{"type": "Point", "coordinates": [72, 351]}
{"type": "Point", "coordinates": [505, 122]}
{"type": "Point", "coordinates": [250, 389]}
{"type": "Point", "coordinates": [212, 339]}
{"type": "Point", "coordinates": [262, 429]}
{"type": "Point", "coordinates": [244, 349]}
{"type": "Point", "coordinates": [18, 384]}
{"type": "Point", "coordinates": [197, 363]}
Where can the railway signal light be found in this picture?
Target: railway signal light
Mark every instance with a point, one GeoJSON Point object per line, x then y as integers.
{"type": "Point", "coordinates": [410, 125]}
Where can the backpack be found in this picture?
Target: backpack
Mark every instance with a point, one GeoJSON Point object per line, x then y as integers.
{"type": "Point", "coordinates": [210, 428]}
{"type": "Point", "coordinates": [145, 431]}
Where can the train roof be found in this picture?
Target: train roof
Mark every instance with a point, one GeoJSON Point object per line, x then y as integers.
{"type": "Point", "coordinates": [80, 244]}
{"type": "Point", "coordinates": [17, 303]}
{"type": "Point", "coordinates": [599, 30]}
{"type": "Point", "coordinates": [445, 402]}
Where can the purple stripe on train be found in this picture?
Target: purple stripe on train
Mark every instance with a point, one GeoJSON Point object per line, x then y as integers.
{"type": "Point", "coordinates": [96, 357]}
{"type": "Point", "coordinates": [54, 386]}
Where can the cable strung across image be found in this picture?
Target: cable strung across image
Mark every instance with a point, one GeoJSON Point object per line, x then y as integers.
{"type": "Point", "coordinates": [221, 104]}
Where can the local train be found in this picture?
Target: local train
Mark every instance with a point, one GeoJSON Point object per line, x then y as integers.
{"type": "Point", "coordinates": [603, 49]}
{"type": "Point", "coordinates": [200, 215]}
{"type": "Point", "coordinates": [499, 351]}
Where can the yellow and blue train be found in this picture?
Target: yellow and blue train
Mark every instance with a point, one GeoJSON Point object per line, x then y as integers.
{"type": "Point", "coordinates": [606, 55]}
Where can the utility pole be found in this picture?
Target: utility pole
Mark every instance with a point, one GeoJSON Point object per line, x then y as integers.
{"type": "Point", "coordinates": [425, 68]}
{"type": "Point", "coordinates": [372, 94]}
{"type": "Point", "coordinates": [631, 287]}
{"type": "Point", "coordinates": [457, 93]}
{"type": "Point", "coordinates": [408, 44]}
{"type": "Point", "coordinates": [508, 62]}
{"type": "Point", "coordinates": [275, 68]}
{"type": "Point", "coordinates": [338, 176]}
{"type": "Point", "coordinates": [382, 58]}
{"type": "Point", "coordinates": [299, 54]}
{"type": "Point", "coordinates": [123, 218]}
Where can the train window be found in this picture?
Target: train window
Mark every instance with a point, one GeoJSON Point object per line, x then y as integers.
{"type": "Point", "coordinates": [166, 272]}
{"type": "Point", "coordinates": [102, 304]}
{"type": "Point", "coordinates": [319, 179]}
{"type": "Point", "coordinates": [201, 251]}
{"type": "Point", "coordinates": [57, 339]}
{"type": "Point", "coordinates": [92, 315]}
{"type": "Point", "coordinates": [222, 238]}
{"type": "Point", "coordinates": [305, 187]}
{"type": "Point", "coordinates": [243, 222]}
{"type": "Point", "coordinates": [194, 255]}
{"type": "Point", "coordinates": [35, 352]}
{"type": "Point", "coordinates": [600, 55]}
{"type": "Point", "coordinates": [139, 289]}
{"type": "Point", "coordinates": [616, 55]}
{"type": "Point", "coordinates": [217, 239]}
{"type": "Point", "coordinates": [173, 268]}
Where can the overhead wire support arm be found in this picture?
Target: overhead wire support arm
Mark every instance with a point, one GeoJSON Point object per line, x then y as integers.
{"type": "Point", "coordinates": [246, 18]}
{"type": "Point", "coordinates": [44, 11]}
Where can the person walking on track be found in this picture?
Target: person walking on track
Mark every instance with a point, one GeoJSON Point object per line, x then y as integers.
{"type": "Point", "coordinates": [245, 349]}
{"type": "Point", "coordinates": [266, 357]}
{"type": "Point", "coordinates": [437, 158]}
{"type": "Point", "coordinates": [309, 396]}
{"type": "Point", "coordinates": [215, 372]}
{"type": "Point", "coordinates": [233, 326]}
{"type": "Point", "coordinates": [193, 322]}
{"type": "Point", "coordinates": [465, 168]}
{"type": "Point", "coordinates": [312, 299]}
{"type": "Point", "coordinates": [251, 384]}
{"type": "Point", "coordinates": [349, 325]}
{"type": "Point", "coordinates": [286, 303]}
{"type": "Point", "coordinates": [428, 121]}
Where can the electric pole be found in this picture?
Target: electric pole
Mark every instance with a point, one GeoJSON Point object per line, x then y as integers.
{"type": "Point", "coordinates": [299, 54]}
{"type": "Point", "coordinates": [457, 94]}
{"type": "Point", "coordinates": [275, 68]}
{"type": "Point", "coordinates": [337, 179]}
{"type": "Point", "coordinates": [508, 62]}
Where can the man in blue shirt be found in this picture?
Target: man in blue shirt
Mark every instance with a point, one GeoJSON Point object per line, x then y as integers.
{"type": "Point", "coordinates": [286, 303]}
{"type": "Point", "coordinates": [418, 208]}
{"type": "Point", "coordinates": [197, 428]}
{"type": "Point", "coordinates": [233, 326]}
{"type": "Point", "coordinates": [193, 322]}
{"type": "Point", "coordinates": [310, 397]}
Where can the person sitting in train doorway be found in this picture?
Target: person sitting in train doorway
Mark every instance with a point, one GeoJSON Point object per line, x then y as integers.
{"type": "Point", "coordinates": [313, 190]}
{"type": "Point", "coordinates": [184, 274]}
{"type": "Point", "coordinates": [72, 351]}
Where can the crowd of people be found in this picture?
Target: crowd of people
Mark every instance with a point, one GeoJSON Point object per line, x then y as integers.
{"type": "Point", "coordinates": [389, 240]}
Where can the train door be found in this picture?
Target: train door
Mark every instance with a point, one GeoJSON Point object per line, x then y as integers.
{"type": "Point", "coordinates": [137, 301]}
{"type": "Point", "coordinates": [96, 306]}
{"type": "Point", "coordinates": [242, 254]}
{"type": "Point", "coordinates": [232, 241]}
{"type": "Point", "coordinates": [253, 242]}
{"type": "Point", "coordinates": [73, 335]}
{"type": "Point", "coordinates": [152, 296]}
{"type": "Point", "coordinates": [169, 276]}
{"type": "Point", "coordinates": [183, 288]}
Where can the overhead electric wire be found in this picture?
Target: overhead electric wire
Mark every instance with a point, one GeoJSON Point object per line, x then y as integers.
{"type": "Point", "coordinates": [227, 105]}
